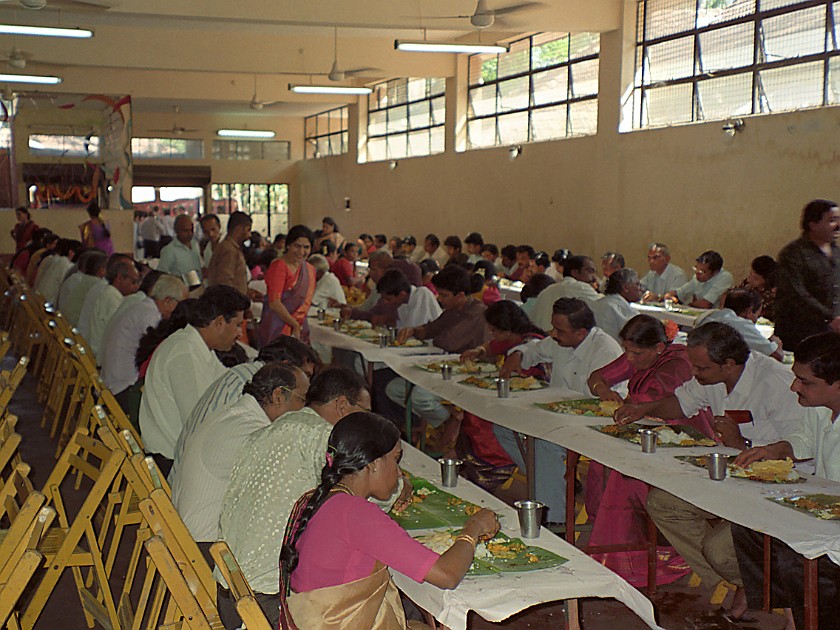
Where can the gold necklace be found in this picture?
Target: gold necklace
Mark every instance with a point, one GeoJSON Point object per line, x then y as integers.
{"type": "Point", "coordinates": [340, 487]}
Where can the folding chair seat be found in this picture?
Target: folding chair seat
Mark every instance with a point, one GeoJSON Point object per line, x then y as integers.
{"type": "Point", "coordinates": [243, 595]}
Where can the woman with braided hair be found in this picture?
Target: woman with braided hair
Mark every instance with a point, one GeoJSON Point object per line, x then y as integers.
{"type": "Point", "coordinates": [337, 547]}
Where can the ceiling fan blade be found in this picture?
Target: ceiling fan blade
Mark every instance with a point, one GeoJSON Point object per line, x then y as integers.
{"type": "Point", "coordinates": [77, 5]}
{"type": "Point", "coordinates": [523, 6]}
{"type": "Point", "coordinates": [355, 71]}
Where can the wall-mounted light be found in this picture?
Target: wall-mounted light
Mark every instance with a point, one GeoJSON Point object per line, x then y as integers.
{"type": "Point", "coordinates": [328, 89]}
{"type": "Point", "coordinates": [30, 78]}
{"type": "Point", "coordinates": [731, 127]}
{"type": "Point", "coordinates": [45, 31]}
{"type": "Point", "coordinates": [443, 47]}
{"type": "Point", "coordinates": [393, 164]}
{"type": "Point", "coordinates": [515, 152]}
{"type": "Point", "coordinates": [245, 133]}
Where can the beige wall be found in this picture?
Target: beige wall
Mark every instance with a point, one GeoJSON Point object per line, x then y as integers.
{"type": "Point", "coordinates": [691, 187]}
{"type": "Point", "coordinates": [66, 223]}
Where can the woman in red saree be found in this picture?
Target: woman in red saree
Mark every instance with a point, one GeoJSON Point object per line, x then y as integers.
{"type": "Point", "coordinates": [338, 545]}
{"type": "Point", "coordinates": [655, 368]}
{"type": "Point", "coordinates": [290, 285]}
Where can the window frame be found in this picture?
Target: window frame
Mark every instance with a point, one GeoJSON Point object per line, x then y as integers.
{"type": "Point", "coordinates": [271, 213]}
{"type": "Point", "coordinates": [170, 155]}
{"type": "Point", "coordinates": [311, 142]}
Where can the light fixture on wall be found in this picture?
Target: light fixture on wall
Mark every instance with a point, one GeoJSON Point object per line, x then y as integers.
{"type": "Point", "coordinates": [515, 152]}
{"type": "Point", "coordinates": [328, 89]}
{"type": "Point", "coordinates": [245, 133]}
{"type": "Point", "coordinates": [393, 164]}
{"type": "Point", "coordinates": [45, 31]}
{"type": "Point", "coordinates": [731, 127]}
{"type": "Point", "coordinates": [30, 78]}
{"type": "Point", "coordinates": [444, 47]}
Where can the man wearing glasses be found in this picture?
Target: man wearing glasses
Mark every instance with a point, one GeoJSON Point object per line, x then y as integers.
{"type": "Point", "coordinates": [663, 276]}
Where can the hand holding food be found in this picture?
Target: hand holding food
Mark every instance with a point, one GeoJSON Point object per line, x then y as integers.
{"type": "Point", "coordinates": [473, 354]}
{"type": "Point", "coordinates": [513, 363]}
{"type": "Point", "coordinates": [628, 413]}
{"type": "Point", "coordinates": [405, 499]}
{"type": "Point", "coordinates": [727, 431]}
{"type": "Point", "coordinates": [484, 523]}
{"type": "Point", "coordinates": [404, 334]}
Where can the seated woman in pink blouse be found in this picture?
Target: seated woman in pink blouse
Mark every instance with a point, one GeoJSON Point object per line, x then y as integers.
{"type": "Point", "coordinates": [655, 367]}
{"type": "Point", "coordinates": [338, 546]}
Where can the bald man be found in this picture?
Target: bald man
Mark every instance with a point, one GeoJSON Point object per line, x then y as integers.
{"type": "Point", "coordinates": [182, 255]}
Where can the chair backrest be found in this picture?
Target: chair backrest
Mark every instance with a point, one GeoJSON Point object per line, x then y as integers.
{"type": "Point", "coordinates": [246, 602]}
{"type": "Point", "coordinates": [14, 493]}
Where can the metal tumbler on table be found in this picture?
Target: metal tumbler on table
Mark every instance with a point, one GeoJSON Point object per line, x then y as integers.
{"type": "Point", "coordinates": [392, 334]}
{"type": "Point", "coordinates": [449, 471]}
{"type": "Point", "coordinates": [669, 304]}
{"type": "Point", "coordinates": [648, 440]}
{"type": "Point", "coordinates": [717, 464]}
{"type": "Point", "coordinates": [530, 517]}
{"type": "Point", "coordinates": [503, 387]}
{"type": "Point", "coordinates": [446, 372]}
{"type": "Point", "coordinates": [383, 340]}
{"type": "Point", "coordinates": [322, 314]}
{"type": "Point", "coordinates": [337, 325]}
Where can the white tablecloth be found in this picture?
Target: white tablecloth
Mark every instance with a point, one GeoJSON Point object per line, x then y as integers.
{"type": "Point", "coordinates": [370, 351]}
{"type": "Point", "coordinates": [683, 319]}
{"type": "Point", "coordinates": [498, 597]}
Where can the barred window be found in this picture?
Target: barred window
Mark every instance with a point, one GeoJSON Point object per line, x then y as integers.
{"type": "Point", "coordinates": [268, 204]}
{"type": "Point", "coordinates": [251, 149]}
{"type": "Point", "coordinates": [54, 145]}
{"type": "Point", "coordinates": [545, 87]}
{"type": "Point", "coordinates": [167, 149]}
{"type": "Point", "coordinates": [406, 118]}
{"type": "Point", "coordinates": [702, 60]}
{"type": "Point", "coordinates": [326, 133]}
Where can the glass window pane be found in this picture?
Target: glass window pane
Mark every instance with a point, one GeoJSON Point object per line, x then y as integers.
{"type": "Point", "coordinates": [834, 81]}
{"type": "Point", "coordinates": [584, 45]}
{"type": "Point", "coordinates": [309, 126]}
{"type": "Point", "coordinates": [377, 123]}
{"type": "Point", "coordinates": [416, 89]}
{"type": "Point", "coordinates": [377, 149]}
{"type": "Point", "coordinates": [717, 11]}
{"type": "Point", "coordinates": [550, 52]}
{"type": "Point", "coordinates": [513, 94]}
{"type": "Point", "coordinates": [726, 48]}
{"type": "Point", "coordinates": [397, 119]}
{"type": "Point", "coordinates": [515, 61]}
{"type": "Point", "coordinates": [668, 104]}
{"type": "Point", "coordinates": [776, 4]}
{"type": "Point", "coordinates": [584, 118]}
{"type": "Point", "coordinates": [418, 115]}
{"type": "Point", "coordinates": [437, 85]}
{"type": "Point", "coordinates": [725, 97]}
{"type": "Point", "coordinates": [663, 17]}
{"type": "Point", "coordinates": [793, 87]}
{"type": "Point", "coordinates": [481, 133]}
{"type": "Point", "coordinates": [482, 101]}
{"type": "Point", "coordinates": [323, 146]}
{"type": "Point", "coordinates": [670, 60]}
{"type": "Point", "coordinates": [548, 123]}
{"type": "Point", "coordinates": [513, 128]}
{"type": "Point", "coordinates": [397, 90]}
{"type": "Point", "coordinates": [551, 86]}
{"type": "Point", "coordinates": [585, 78]}
{"type": "Point", "coordinates": [437, 140]}
{"type": "Point", "coordinates": [397, 146]}
{"type": "Point", "coordinates": [439, 110]}
{"type": "Point", "coordinates": [795, 34]}
{"type": "Point", "coordinates": [419, 143]}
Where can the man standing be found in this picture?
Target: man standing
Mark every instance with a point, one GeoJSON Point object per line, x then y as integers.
{"type": "Point", "coordinates": [578, 276]}
{"type": "Point", "coordinates": [182, 255]}
{"type": "Point", "coordinates": [151, 230]}
{"type": "Point", "coordinates": [227, 266]}
{"type": "Point", "coordinates": [808, 277]}
{"type": "Point", "coordinates": [663, 276]}
{"type": "Point", "coordinates": [211, 229]}
{"type": "Point", "coordinates": [184, 365]}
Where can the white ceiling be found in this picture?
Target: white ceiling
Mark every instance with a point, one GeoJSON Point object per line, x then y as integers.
{"type": "Point", "coordinates": [204, 55]}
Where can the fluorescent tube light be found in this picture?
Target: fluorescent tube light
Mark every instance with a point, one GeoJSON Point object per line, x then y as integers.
{"type": "Point", "coordinates": [449, 48]}
{"type": "Point", "coordinates": [45, 31]}
{"type": "Point", "coordinates": [328, 89]}
{"type": "Point", "coordinates": [29, 78]}
{"type": "Point", "coordinates": [244, 133]}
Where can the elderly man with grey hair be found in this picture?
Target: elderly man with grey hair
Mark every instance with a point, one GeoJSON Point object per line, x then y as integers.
{"type": "Point", "coordinates": [327, 285]}
{"type": "Point", "coordinates": [614, 310]}
{"type": "Point", "coordinates": [663, 276]}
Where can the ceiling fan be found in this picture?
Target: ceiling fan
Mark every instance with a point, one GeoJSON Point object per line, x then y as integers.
{"type": "Point", "coordinates": [336, 73]}
{"type": "Point", "coordinates": [483, 17]}
{"type": "Point", "coordinates": [65, 5]}
{"type": "Point", "coordinates": [19, 59]}
{"type": "Point", "coordinates": [175, 130]}
{"type": "Point", "coordinates": [256, 104]}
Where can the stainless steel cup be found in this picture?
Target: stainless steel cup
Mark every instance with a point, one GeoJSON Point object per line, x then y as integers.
{"type": "Point", "coordinates": [669, 304]}
{"type": "Point", "coordinates": [337, 325]}
{"type": "Point", "coordinates": [449, 471]}
{"type": "Point", "coordinates": [446, 372]}
{"type": "Point", "coordinates": [383, 340]}
{"type": "Point", "coordinates": [717, 464]}
{"type": "Point", "coordinates": [648, 440]}
{"type": "Point", "coordinates": [530, 517]}
{"type": "Point", "coordinates": [392, 334]}
{"type": "Point", "coordinates": [322, 314]}
{"type": "Point", "coordinates": [503, 387]}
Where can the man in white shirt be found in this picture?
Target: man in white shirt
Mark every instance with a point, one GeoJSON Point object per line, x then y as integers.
{"type": "Point", "coordinates": [575, 349]}
{"type": "Point", "coordinates": [741, 308]}
{"type": "Point", "coordinates": [727, 377]}
{"type": "Point", "coordinates": [151, 229]}
{"type": "Point", "coordinates": [708, 285]}
{"type": "Point", "coordinates": [578, 276]}
{"type": "Point", "coordinates": [327, 285]}
{"type": "Point", "coordinates": [123, 279]}
{"type": "Point", "coordinates": [610, 263]}
{"type": "Point", "coordinates": [433, 250]}
{"type": "Point", "coordinates": [208, 454]}
{"type": "Point", "coordinates": [211, 229]}
{"type": "Point", "coordinates": [817, 384]}
{"type": "Point", "coordinates": [184, 365]}
{"type": "Point", "coordinates": [74, 291]}
{"type": "Point", "coordinates": [416, 306]}
{"type": "Point", "coordinates": [127, 326]}
{"type": "Point", "coordinates": [473, 244]}
{"type": "Point", "coordinates": [663, 276]}
{"type": "Point", "coordinates": [614, 310]}
{"type": "Point", "coordinates": [182, 255]}
{"type": "Point", "coordinates": [52, 271]}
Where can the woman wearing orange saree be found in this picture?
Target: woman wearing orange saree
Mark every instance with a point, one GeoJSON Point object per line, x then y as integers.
{"type": "Point", "coordinates": [338, 546]}
{"type": "Point", "coordinates": [290, 285]}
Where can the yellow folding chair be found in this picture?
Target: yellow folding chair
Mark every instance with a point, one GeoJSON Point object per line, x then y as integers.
{"type": "Point", "coordinates": [243, 595]}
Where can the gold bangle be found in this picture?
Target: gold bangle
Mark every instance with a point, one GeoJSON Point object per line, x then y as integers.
{"type": "Point", "coordinates": [467, 538]}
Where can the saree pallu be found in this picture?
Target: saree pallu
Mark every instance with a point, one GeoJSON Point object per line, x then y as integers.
{"type": "Point", "coordinates": [297, 300]}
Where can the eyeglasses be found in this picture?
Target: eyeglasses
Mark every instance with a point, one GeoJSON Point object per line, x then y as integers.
{"type": "Point", "coordinates": [292, 392]}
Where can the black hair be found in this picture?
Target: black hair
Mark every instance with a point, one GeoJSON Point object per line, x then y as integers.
{"type": "Point", "coordinates": [326, 248]}
{"type": "Point", "coordinates": [153, 337]}
{"type": "Point", "coordinates": [560, 256]}
{"type": "Point", "coordinates": [509, 317]}
{"type": "Point", "coordinates": [204, 218]}
{"type": "Point", "coordinates": [476, 282]}
{"type": "Point", "coordinates": [644, 331]}
{"type": "Point", "coordinates": [536, 284]}
{"type": "Point", "coordinates": [509, 252]}
{"type": "Point", "coordinates": [739, 300]}
{"type": "Point", "coordinates": [616, 259]}
{"type": "Point", "coordinates": [93, 209]}
{"type": "Point", "coordinates": [268, 378]}
{"type": "Point", "coordinates": [232, 357]}
{"type": "Point", "coordinates": [452, 241]}
{"type": "Point", "coordinates": [288, 350]}
{"type": "Point", "coordinates": [765, 267]}
{"type": "Point", "coordinates": [489, 269]}
{"type": "Point", "coordinates": [454, 279]}
{"type": "Point", "coordinates": [814, 211]}
{"type": "Point", "coordinates": [429, 265]}
{"type": "Point", "coordinates": [348, 245]}
{"type": "Point", "coordinates": [118, 264]}
{"type": "Point", "coordinates": [576, 311]}
{"type": "Point", "coordinates": [365, 236]}
{"type": "Point", "coordinates": [722, 342]}
{"type": "Point", "coordinates": [149, 280]}
{"type": "Point", "coordinates": [358, 439]}
{"type": "Point", "coordinates": [331, 221]}
{"type": "Point", "coordinates": [94, 261]}
{"type": "Point", "coordinates": [541, 259]}
{"type": "Point", "coordinates": [334, 383]}
{"type": "Point", "coordinates": [236, 219]}
{"type": "Point", "coordinates": [299, 231]}
{"type": "Point", "coordinates": [218, 301]}
{"type": "Point", "coordinates": [393, 282]}
{"type": "Point", "coordinates": [490, 247]}
{"type": "Point", "coordinates": [474, 238]}
{"type": "Point", "coordinates": [433, 239]}
{"type": "Point", "coordinates": [619, 278]}
{"type": "Point", "coordinates": [25, 211]}
{"type": "Point", "coordinates": [711, 258]}
{"type": "Point", "coordinates": [526, 249]}
{"type": "Point", "coordinates": [574, 263]}
{"type": "Point", "coordinates": [821, 353]}
{"type": "Point", "coordinates": [67, 245]}
{"type": "Point", "coordinates": [380, 239]}
{"type": "Point", "coordinates": [409, 240]}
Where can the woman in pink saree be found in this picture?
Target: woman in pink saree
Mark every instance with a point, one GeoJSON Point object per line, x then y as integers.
{"type": "Point", "coordinates": [655, 368]}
